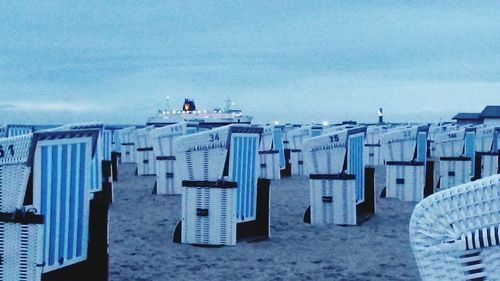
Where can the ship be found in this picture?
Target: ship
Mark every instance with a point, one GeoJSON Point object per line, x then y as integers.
{"type": "Point", "coordinates": [206, 118]}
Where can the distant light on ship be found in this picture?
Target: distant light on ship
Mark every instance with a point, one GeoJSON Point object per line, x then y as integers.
{"type": "Point", "coordinates": [325, 123]}
{"type": "Point", "coordinates": [276, 122]}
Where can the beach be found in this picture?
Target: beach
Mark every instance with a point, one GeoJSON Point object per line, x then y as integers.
{"type": "Point", "coordinates": [141, 247]}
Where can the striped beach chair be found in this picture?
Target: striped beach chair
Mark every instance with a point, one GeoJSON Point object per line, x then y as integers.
{"type": "Point", "coordinates": [297, 137]}
{"type": "Point", "coordinates": [282, 131]}
{"type": "Point", "coordinates": [96, 170]}
{"type": "Point", "coordinates": [144, 157]}
{"type": "Point", "coordinates": [222, 198]}
{"type": "Point", "coordinates": [45, 207]}
{"type": "Point", "coordinates": [163, 139]}
{"type": "Point", "coordinates": [101, 192]}
{"type": "Point", "coordinates": [487, 150]}
{"type": "Point", "coordinates": [127, 144]}
{"type": "Point", "coordinates": [115, 149]}
{"type": "Point", "coordinates": [455, 151]}
{"type": "Point", "coordinates": [341, 188]}
{"type": "Point", "coordinates": [455, 233]}
{"type": "Point", "coordinates": [434, 131]}
{"type": "Point", "coordinates": [7, 131]}
{"type": "Point", "coordinates": [270, 165]}
{"type": "Point", "coordinates": [372, 151]}
{"type": "Point", "coordinates": [409, 174]}
{"type": "Point", "coordinates": [278, 144]}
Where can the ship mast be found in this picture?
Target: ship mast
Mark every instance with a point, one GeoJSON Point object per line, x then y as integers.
{"type": "Point", "coordinates": [168, 103]}
{"type": "Point", "coordinates": [229, 103]}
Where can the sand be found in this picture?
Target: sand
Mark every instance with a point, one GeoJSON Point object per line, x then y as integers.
{"type": "Point", "coordinates": [141, 247]}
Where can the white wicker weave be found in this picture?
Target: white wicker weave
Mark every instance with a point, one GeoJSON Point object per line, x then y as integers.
{"type": "Point", "coordinates": [218, 225]}
{"type": "Point", "coordinates": [487, 146]}
{"type": "Point", "coordinates": [333, 201]}
{"type": "Point", "coordinates": [405, 182]}
{"type": "Point", "coordinates": [455, 233]}
{"type": "Point", "coordinates": [454, 173]}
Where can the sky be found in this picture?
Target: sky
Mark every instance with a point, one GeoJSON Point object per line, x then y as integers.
{"type": "Point", "coordinates": [291, 61]}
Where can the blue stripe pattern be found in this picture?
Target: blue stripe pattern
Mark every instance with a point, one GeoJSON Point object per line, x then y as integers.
{"type": "Point", "coordinates": [470, 147]}
{"type": "Point", "coordinates": [278, 145]}
{"type": "Point", "coordinates": [96, 171]}
{"type": "Point", "coordinates": [115, 140]}
{"type": "Point", "coordinates": [356, 164]}
{"type": "Point", "coordinates": [107, 145]}
{"type": "Point", "coordinates": [244, 172]}
{"type": "Point", "coordinates": [316, 132]}
{"type": "Point", "coordinates": [62, 200]}
{"type": "Point", "coordinates": [81, 194]}
{"type": "Point", "coordinates": [422, 147]}
{"type": "Point", "coordinates": [495, 141]}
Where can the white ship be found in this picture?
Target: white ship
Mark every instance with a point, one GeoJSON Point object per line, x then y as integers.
{"type": "Point", "coordinates": [189, 113]}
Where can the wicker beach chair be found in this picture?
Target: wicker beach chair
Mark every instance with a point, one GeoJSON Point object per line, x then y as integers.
{"type": "Point", "coordinates": [455, 151]}
{"type": "Point", "coordinates": [101, 193]}
{"type": "Point", "coordinates": [297, 137]}
{"type": "Point", "coordinates": [163, 139]}
{"type": "Point", "coordinates": [144, 157]}
{"type": "Point", "coordinates": [455, 233]}
{"type": "Point", "coordinates": [487, 150]}
{"type": "Point", "coordinates": [281, 132]}
{"type": "Point", "coordinates": [44, 201]}
{"type": "Point", "coordinates": [127, 144]}
{"type": "Point", "coordinates": [341, 189]}
{"type": "Point", "coordinates": [270, 164]}
{"type": "Point", "coordinates": [409, 175]}
{"type": "Point", "coordinates": [372, 152]}
{"type": "Point", "coordinates": [222, 198]}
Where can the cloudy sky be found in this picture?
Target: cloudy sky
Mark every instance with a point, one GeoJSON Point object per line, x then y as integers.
{"type": "Point", "coordinates": [297, 61]}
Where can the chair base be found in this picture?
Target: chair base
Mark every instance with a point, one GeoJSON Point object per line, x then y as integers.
{"type": "Point", "coordinates": [251, 231]}
{"type": "Point", "coordinates": [481, 170]}
{"type": "Point", "coordinates": [364, 210]}
{"type": "Point", "coordinates": [427, 182]}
